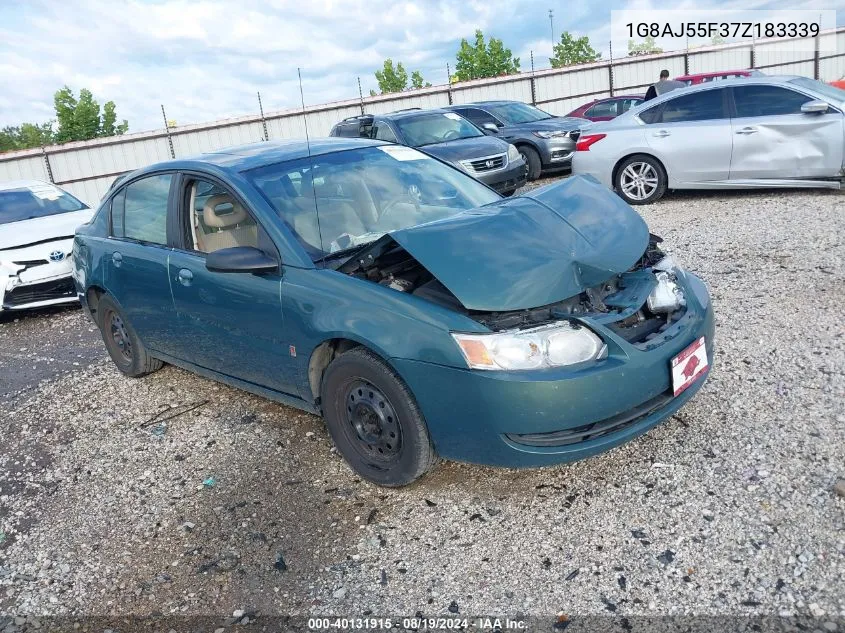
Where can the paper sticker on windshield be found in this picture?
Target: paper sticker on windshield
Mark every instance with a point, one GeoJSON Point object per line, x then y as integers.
{"type": "Point", "coordinates": [45, 192]}
{"type": "Point", "coordinates": [452, 115]}
{"type": "Point", "coordinates": [400, 152]}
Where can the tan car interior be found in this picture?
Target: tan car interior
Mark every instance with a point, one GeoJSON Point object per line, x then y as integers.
{"type": "Point", "coordinates": [223, 223]}
{"type": "Point", "coordinates": [343, 201]}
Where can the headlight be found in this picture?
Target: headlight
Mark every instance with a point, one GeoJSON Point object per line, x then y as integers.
{"type": "Point", "coordinates": [555, 345]}
{"type": "Point", "coordinates": [513, 153]}
{"type": "Point", "coordinates": [550, 133]}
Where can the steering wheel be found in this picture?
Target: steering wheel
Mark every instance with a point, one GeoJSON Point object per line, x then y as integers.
{"type": "Point", "coordinates": [405, 198]}
{"type": "Point", "coordinates": [451, 134]}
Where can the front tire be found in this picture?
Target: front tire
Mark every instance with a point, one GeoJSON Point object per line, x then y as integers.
{"type": "Point", "coordinates": [532, 159]}
{"type": "Point", "coordinates": [122, 344]}
{"type": "Point", "coordinates": [640, 179]}
{"type": "Point", "coordinates": [374, 420]}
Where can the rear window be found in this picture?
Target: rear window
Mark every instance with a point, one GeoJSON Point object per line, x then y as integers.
{"type": "Point", "coordinates": [35, 201]}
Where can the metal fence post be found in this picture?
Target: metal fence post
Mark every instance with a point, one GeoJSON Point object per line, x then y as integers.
{"type": "Point", "coordinates": [686, 62]}
{"type": "Point", "coordinates": [449, 82]}
{"type": "Point", "coordinates": [753, 61]}
{"type": "Point", "coordinates": [533, 88]}
{"type": "Point", "coordinates": [263, 120]}
{"type": "Point", "coordinates": [610, 67]}
{"type": "Point", "coordinates": [816, 60]}
{"type": "Point", "coordinates": [167, 131]}
{"type": "Point", "coordinates": [47, 164]}
{"type": "Point", "coordinates": [360, 95]}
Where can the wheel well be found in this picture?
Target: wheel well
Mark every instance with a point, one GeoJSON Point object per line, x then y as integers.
{"type": "Point", "coordinates": [321, 357]}
{"type": "Point", "coordinates": [632, 154]}
{"type": "Point", "coordinates": [528, 144]}
{"type": "Point", "coordinates": [93, 295]}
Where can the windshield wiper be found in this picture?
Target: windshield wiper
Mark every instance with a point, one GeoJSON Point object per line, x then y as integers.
{"type": "Point", "coordinates": [344, 252]}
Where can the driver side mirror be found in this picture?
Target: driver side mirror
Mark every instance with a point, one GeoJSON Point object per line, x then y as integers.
{"type": "Point", "coordinates": [815, 107]}
{"type": "Point", "coordinates": [240, 259]}
{"type": "Point", "coordinates": [490, 127]}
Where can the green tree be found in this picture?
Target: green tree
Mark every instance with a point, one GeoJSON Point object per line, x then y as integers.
{"type": "Point", "coordinates": [390, 78]}
{"type": "Point", "coordinates": [646, 47]}
{"type": "Point", "coordinates": [571, 50]}
{"type": "Point", "coordinates": [478, 60]}
{"type": "Point", "coordinates": [80, 120]}
{"type": "Point", "coordinates": [25, 136]}
{"type": "Point", "coordinates": [417, 80]}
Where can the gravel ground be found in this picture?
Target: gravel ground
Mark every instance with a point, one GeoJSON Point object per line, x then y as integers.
{"type": "Point", "coordinates": [242, 504]}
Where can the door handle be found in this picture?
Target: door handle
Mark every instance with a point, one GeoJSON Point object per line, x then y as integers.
{"type": "Point", "coordinates": [117, 259]}
{"type": "Point", "coordinates": [185, 277]}
{"type": "Point", "coordinates": [747, 130]}
{"type": "Point", "coordinates": [662, 134]}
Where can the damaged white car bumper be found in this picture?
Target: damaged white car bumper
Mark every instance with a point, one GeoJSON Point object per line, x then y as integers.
{"type": "Point", "coordinates": [36, 275]}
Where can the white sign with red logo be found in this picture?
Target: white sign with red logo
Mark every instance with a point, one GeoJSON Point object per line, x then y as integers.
{"type": "Point", "coordinates": [689, 366]}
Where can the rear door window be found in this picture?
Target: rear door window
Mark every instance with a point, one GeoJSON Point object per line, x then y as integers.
{"type": "Point", "coordinates": [755, 101]}
{"type": "Point", "coordinates": [706, 105]}
{"type": "Point", "coordinates": [145, 209]}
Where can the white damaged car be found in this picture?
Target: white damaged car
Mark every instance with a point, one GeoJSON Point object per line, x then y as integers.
{"type": "Point", "coordinates": [37, 223]}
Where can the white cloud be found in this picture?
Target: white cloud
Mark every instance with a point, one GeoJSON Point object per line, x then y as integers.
{"type": "Point", "coordinates": [205, 59]}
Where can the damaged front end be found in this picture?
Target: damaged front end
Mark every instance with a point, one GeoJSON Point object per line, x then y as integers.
{"type": "Point", "coordinates": [638, 305]}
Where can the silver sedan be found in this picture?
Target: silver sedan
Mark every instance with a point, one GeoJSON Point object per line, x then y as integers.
{"type": "Point", "coordinates": [748, 132]}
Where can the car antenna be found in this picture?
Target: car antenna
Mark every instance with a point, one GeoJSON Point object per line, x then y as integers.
{"type": "Point", "coordinates": [310, 160]}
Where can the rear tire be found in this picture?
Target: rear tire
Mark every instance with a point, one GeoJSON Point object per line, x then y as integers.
{"type": "Point", "coordinates": [374, 420]}
{"type": "Point", "coordinates": [122, 344]}
{"type": "Point", "coordinates": [532, 159]}
{"type": "Point", "coordinates": [640, 179]}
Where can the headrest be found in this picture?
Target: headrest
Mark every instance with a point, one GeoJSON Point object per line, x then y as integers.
{"type": "Point", "coordinates": [230, 214]}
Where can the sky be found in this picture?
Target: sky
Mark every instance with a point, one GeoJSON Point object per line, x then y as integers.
{"type": "Point", "coordinates": [206, 59]}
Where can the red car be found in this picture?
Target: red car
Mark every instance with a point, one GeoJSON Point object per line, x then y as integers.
{"type": "Point", "coordinates": [607, 109]}
{"type": "Point", "coordinates": [700, 78]}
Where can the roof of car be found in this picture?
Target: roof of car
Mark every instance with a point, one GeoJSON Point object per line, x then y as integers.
{"type": "Point", "coordinates": [244, 157]}
{"type": "Point", "coordinates": [411, 112]}
{"type": "Point", "coordinates": [22, 184]}
{"type": "Point", "coordinates": [733, 81]}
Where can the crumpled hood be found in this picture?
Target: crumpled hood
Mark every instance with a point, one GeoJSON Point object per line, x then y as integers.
{"type": "Point", "coordinates": [533, 250]}
{"type": "Point", "coordinates": [466, 148]}
{"type": "Point", "coordinates": [25, 232]}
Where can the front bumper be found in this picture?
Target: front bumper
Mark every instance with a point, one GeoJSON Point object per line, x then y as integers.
{"type": "Point", "coordinates": [484, 416]}
{"type": "Point", "coordinates": [556, 153]}
{"type": "Point", "coordinates": [30, 280]}
{"type": "Point", "coordinates": [508, 179]}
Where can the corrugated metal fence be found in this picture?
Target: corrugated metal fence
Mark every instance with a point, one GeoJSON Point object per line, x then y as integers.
{"type": "Point", "coordinates": [87, 168]}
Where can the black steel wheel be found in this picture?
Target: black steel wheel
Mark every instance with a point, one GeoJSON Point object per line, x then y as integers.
{"type": "Point", "coordinates": [122, 343]}
{"type": "Point", "coordinates": [374, 420]}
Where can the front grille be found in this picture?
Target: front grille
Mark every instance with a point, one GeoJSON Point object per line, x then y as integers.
{"type": "Point", "coordinates": [488, 163]}
{"type": "Point", "coordinates": [595, 429]}
{"type": "Point", "coordinates": [56, 289]}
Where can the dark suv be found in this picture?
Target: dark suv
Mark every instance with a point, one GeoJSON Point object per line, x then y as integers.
{"type": "Point", "coordinates": [546, 142]}
{"type": "Point", "coordinates": [447, 136]}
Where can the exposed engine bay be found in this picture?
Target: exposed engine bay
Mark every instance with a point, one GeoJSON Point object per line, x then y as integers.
{"type": "Point", "coordinates": [637, 304]}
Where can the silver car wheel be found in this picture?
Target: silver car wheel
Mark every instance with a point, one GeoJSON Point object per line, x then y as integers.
{"type": "Point", "coordinates": [639, 181]}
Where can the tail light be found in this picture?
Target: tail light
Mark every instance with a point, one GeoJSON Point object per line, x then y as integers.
{"type": "Point", "coordinates": [586, 140]}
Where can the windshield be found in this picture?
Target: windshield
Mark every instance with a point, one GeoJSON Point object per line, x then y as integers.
{"type": "Point", "coordinates": [435, 127]}
{"type": "Point", "coordinates": [35, 201]}
{"type": "Point", "coordinates": [515, 113]}
{"type": "Point", "coordinates": [340, 201]}
{"type": "Point", "coordinates": [830, 93]}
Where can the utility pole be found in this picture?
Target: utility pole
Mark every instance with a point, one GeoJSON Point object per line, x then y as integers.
{"type": "Point", "coordinates": [552, 26]}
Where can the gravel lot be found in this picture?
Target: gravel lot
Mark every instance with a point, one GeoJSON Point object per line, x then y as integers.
{"type": "Point", "coordinates": [242, 504]}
